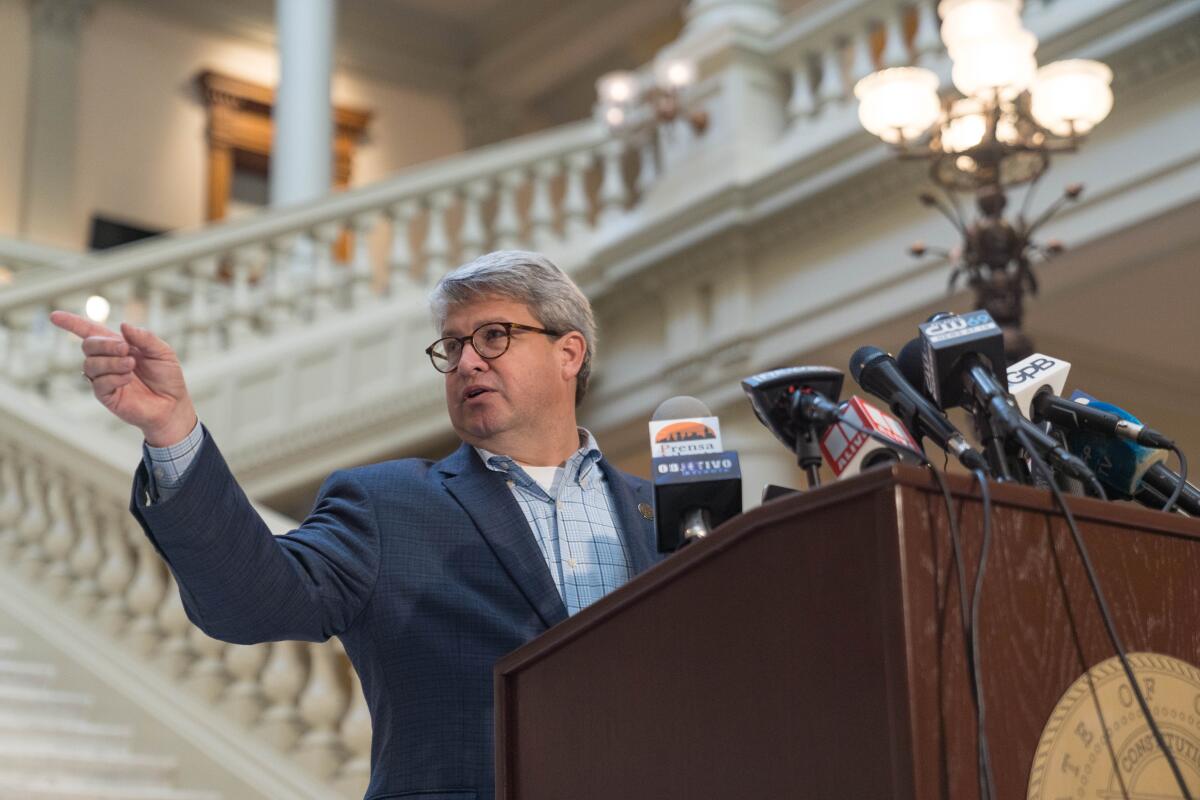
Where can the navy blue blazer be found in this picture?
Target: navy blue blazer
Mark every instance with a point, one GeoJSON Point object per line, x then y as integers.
{"type": "Point", "coordinates": [428, 572]}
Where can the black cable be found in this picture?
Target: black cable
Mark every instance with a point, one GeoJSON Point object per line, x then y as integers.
{"type": "Point", "coordinates": [987, 788]}
{"type": "Point", "coordinates": [1110, 627]}
{"type": "Point", "coordinates": [969, 617]}
{"type": "Point", "coordinates": [1183, 469]}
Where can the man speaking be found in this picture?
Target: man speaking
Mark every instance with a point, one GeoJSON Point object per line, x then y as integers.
{"type": "Point", "coordinates": [428, 572]}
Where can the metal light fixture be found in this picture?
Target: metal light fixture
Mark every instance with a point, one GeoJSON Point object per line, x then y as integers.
{"type": "Point", "coordinates": [629, 101]}
{"type": "Point", "coordinates": [1000, 132]}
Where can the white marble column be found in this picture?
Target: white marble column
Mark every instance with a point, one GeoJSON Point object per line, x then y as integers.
{"type": "Point", "coordinates": [302, 144]}
{"type": "Point", "coordinates": [48, 186]}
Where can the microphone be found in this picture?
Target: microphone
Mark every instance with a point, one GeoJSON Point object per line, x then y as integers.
{"type": "Point", "coordinates": [962, 355]}
{"type": "Point", "coordinates": [697, 485]}
{"type": "Point", "coordinates": [849, 451]}
{"type": "Point", "coordinates": [1159, 483]}
{"type": "Point", "coordinates": [797, 404]}
{"type": "Point", "coordinates": [1039, 377]}
{"type": "Point", "coordinates": [1079, 413]}
{"type": "Point", "coordinates": [1130, 469]}
{"type": "Point", "coordinates": [878, 373]}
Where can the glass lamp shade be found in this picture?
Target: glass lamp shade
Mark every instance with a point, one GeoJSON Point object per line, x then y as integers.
{"type": "Point", "coordinates": [1001, 64]}
{"type": "Point", "coordinates": [97, 308]}
{"type": "Point", "coordinates": [675, 73]}
{"type": "Point", "coordinates": [898, 104]}
{"type": "Point", "coordinates": [614, 116]}
{"type": "Point", "coordinates": [967, 21]}
{"type": "Point", "coordinates": [1071, 96]}
{"type": "Point", "coordinates": [966, 126]}
{"type": "Point", "coordinates": [617, 88]}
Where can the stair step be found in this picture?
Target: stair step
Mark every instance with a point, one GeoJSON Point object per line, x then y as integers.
{"type": "Point", "coordinates": [19, 787]}
{"type": "Point", "coordinates": [48, 702]}
{"type": "Point", "coordinates": [75, 732]}
{"type": "Point", "coordinates": [26, 673]}
{"type": "Point", "coordinates": [34, 760]}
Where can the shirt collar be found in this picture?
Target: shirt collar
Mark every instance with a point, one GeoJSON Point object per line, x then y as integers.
{"type": "Point", "coordinates": [577, 466]}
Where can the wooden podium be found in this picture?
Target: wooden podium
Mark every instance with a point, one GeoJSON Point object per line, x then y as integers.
{"type": "Point", "coordinates": [813, 648]}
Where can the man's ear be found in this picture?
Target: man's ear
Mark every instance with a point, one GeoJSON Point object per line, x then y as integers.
{"type": "Point", "coordinates": [572, 348]}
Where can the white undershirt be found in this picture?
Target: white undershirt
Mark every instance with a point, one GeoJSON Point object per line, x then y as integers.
{"type": "Point", "coordinates": [543, 475]}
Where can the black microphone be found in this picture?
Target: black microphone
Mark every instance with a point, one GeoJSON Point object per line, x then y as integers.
{"type": "Point", "coordinates": [697, 485]}
{"type": "Point", "coordinates": [1080, 416]}
{"type": "Point", "coordinates": [797, 404]}
{"type": "Point", "coordinates": [962, 355]}
{"type": "Point", "coordinates": [1161, 480]}
{"type": "Point", "coordinates": [878, 373]}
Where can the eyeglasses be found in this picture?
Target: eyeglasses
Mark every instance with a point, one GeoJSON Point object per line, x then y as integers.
{"type": "Point", "coordinates": [490, 340]}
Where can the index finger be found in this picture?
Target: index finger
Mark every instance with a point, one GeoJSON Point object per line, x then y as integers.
{"type": "Point", "coordinates": [80, 326]}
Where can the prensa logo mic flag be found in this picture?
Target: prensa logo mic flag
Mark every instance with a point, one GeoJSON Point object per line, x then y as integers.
{"type": "Point", "coordinates": [684, 437]}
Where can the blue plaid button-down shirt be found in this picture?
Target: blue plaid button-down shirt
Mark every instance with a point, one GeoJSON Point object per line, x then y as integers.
{"type": "Point", "coordinates": [575, 523]}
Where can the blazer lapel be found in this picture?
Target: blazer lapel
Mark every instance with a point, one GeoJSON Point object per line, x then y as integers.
{"type": "Point", "coordinates": [637, 531]}
{"type": "Point", "coordinates": [489, 502]}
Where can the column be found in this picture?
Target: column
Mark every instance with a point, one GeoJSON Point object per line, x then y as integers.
{"type": "Point", "coordinates": [760, 15]}
{"type": "Point", "coordinates": [48, 187]}
{"type": "Point", "coordinates": [302, 129]}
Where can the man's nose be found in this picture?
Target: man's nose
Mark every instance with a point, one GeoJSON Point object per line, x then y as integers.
{"type": "Point", "coordinates": [470, 360]}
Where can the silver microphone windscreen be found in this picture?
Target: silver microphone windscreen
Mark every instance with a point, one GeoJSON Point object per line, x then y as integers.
{"type": "Point", "coordinates": [681, 407]}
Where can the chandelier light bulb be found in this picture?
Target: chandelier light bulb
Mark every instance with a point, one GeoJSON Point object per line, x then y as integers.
{"type": "Point", "coordinates": [1071, 97]}
{"type": "Point", "coordinates": [898, 104]}
{"type": "Point", "coordinates": [614, 116]}
{"type": "Point", "coordinates": [97, 308]}
{"type": "Point", "coordinates": [1003, 65]}
{"type": "Point", "coordinates": [676, 73]}
{"type": "Point", "coordinates": [965, 22]}
{"type": "Point", "coordinates": [965, 126]}
{"type": "Point", "coordinates": [617, 88]}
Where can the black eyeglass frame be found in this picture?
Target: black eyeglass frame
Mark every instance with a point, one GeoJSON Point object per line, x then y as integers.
{"type": "Point", "coordinates": [470, 338]}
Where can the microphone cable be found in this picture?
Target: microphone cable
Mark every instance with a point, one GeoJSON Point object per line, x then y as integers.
{"type": "Point", "coordinates": [1109, 625]}
{"type": "Point", "coordinates": [968, 615]}
{"type": "Point", "coordinates": [1183, 470]}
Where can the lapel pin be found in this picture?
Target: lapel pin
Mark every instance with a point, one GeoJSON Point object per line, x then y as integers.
{"type": "Point", "coordinates": [646, 510]}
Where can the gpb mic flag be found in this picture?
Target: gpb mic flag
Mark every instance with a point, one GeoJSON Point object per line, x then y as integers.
{"type": "Point", "coordinates": [1034, 376]}
{"type": "Point", "coordinates": [849, 450]}
{"type": "Point", "coordinates": [697, 486]}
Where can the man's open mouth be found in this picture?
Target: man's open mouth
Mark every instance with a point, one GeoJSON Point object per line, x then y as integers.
{"type": "Point", "coordinates": [475, 391]}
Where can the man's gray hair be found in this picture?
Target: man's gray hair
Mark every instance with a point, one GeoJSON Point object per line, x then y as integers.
{"type": "Point", "coordinates": [529, 278]}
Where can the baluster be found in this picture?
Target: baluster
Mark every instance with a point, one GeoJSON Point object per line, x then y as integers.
{"type": "Point", "coordinates": [16, 361]}
{"type": "Point", "coordinates": [121, 302]}
{"type": "Point", "coordinates": [283, 304]}
{"type": "Point", "coordinates": [321, 706]}
{"type": "Point", "coordinates": [156, 305]}
{"type": "Point", "coordinates": [803, 101]}
{"type": "Point", "coordinates": [175, 654]}
{"type": "Point", "coordinates": [472, 238]}
{"type": "Point", "coordinates": [541, 207]}
{"type": "Point", "coordinates": [508, 218]}
{"type": "Point", "coordinates": [862, 63]}
{"type": "Point", "coordinates": [927, 42]}
{"type": "Point", "coordinates": [34, 523]}
{"type": "Point", "coordinates": [575, 199]}
{"type": "Point", "coordinates": [833, 87]}
{"type": "Point", "coordinates": [356, 737]}
{"type": "Point", "coordinates": [10, 502]}
{"type": "Point", "coordinates": [437, 239]}
{"type": "Point", "coordinates": [201, 323]}
{"type": "Point", "coordinates": [647, 161]}
{"type": "Point", "coordinates": [59, 536]}
{"type": "Point", "coordinates": [244, 700]}
{"type": "Point", "coordinates": [360, 265]}
{"type": "Point", "coordinates": [207, 676]}
{"type": "Point", "coordinates": [324, 281]}
{"type": "Point", "coordinates": [117, 569]}
{"type": "Point", "coordinates": [400, 255]}
{"type": "Point", "coordinates": [86, 555]}
{"type": "Point", "coordinates": [241, 301]}
{"type": "Point", "coordinates": [283, 679]}
{"type": "Point", "coordinates": [895, 49]}
{"type": "Point", "coordinates": [613, 193]}
{"type": "Point", "coordinates": [144, 597]}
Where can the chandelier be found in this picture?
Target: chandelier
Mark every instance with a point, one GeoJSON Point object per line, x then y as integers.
{"type": "Point", "coordinates": [1008, 118]}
